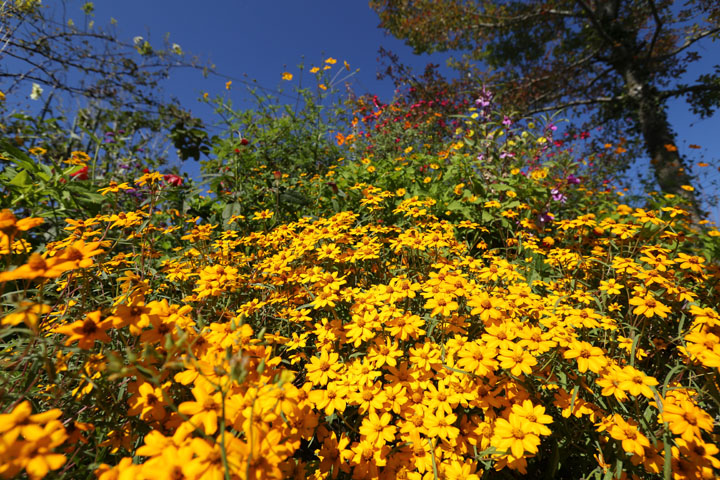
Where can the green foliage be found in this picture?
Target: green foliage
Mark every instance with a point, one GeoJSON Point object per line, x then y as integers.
{"type": "Point", "coordinates": [268, 154]}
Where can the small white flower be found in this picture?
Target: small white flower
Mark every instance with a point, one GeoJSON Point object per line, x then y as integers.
{"type": "Point", "coordinates": [138, 40]}
{"type": "Point", "coordinates": [177, 49]}
{"type": "Point", "coordinates": [36, 91]}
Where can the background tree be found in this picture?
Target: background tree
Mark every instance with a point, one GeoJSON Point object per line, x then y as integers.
{"type": "Point", "coordinates": [87, 82]}
{"type": "Point", "coordinates": [616, 60]}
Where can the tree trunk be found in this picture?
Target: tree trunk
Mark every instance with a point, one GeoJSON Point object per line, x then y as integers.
{"type": "Point", "coordinates": [669, 169]}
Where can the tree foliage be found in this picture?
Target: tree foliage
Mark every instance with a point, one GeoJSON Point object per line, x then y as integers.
{"type": "Point", "coordinates": [87, 81]}
{"type": "Point", "coordinates": [617, 60]}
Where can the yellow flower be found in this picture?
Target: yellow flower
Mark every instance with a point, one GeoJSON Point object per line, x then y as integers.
{"type": "Point", "coordinates": [517, 360]}
{"type": "Point", "coordinates": [610, 384]}
{"type": "Point", "coordinates": [377, 430]}
{"type": "Point", "coordinates": [151, 177]}
{"type": "Point", "coordinates": [322, 86]}
{"type": "Point", "coordinates": [627, 432]}
{"type": "Point", "coordinates": [114, 187]}
{"type": "Point", "coordinates": [686, 419]}
{"type": "Point", "coordinates": [691, 262]}
{"type": "Point", "coordinates": [588, 357]}
{"type": "Point", "coordinates": [287, 76]}
{"type": "Point", "coordinates": [324, 368]}
{"type": "Point", "coordinates": [228, 84]}
{"type": "Point", "coordinates": [148, 403]}
{"type": "Point", "coordinates": [263, 215]}
{"type": "Point", "coordinates": [37, 267]}
{"type": "Point", "coordinates": [636, 382]}
{"type": "Point", "coordinates": [610, 286]}
{"type": "Point", "coordinates": [28, 442]}
{"type": "Point", "coordinates": [333, 398]}
{"type": "Point", "coordinates": [38, 151]}
{"type": "Point", "coordinates": [314, 70]}
{"type": "Point", "coordinates": [331, 61]}
{"type": "Point", "coordinates": [29, 313]}
{"type": "Point", "coordinates": [439, 424]}
{"type": "Point", "coordinates": [10, 225]}
{"type": "Point", "coordinates": [203, 412]}
{"type": "Point", "coordinates": [649, 306]}
{"type": "Point", "coordinates": [515, 435]}
{"type": "Point", "coordinates": [535, 414]}
{"type": "Point", "coordinates": [441, 304]}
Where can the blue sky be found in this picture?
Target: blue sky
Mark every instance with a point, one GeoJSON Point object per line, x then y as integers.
{"type": "Point", "coordinates": [263, 38]}
{"type": "Point", "coordinates": [260, 38]}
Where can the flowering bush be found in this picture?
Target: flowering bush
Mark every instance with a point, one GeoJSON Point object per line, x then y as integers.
{"type": "Point", "coordinates": [347, 348]}
{"type": "Point", "coordinates": [504, 318]}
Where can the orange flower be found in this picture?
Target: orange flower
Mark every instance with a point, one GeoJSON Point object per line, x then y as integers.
{"type": "Point", "coordinates": [37, 267]}
{"type": "Point", "coordinates": [86, 331]}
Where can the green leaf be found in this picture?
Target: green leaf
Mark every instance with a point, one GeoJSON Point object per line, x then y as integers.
{"type": "Point", "coordinates": [230, 210]}
{"type": "Point", "coordinates": [21, 179]}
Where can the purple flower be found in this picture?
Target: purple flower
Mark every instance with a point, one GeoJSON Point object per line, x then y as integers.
{"type": "Point", "coordinates": [547, 217]}
{"type": "Point", "coordinates": [573, 180]}
{"type": "Point", "coordinates": [133, 192]}
{"type": "Point", "coordinates": [506, 121]}
{"type": "Point", "coordinates": [558, 196]}
{"type": "Point", "coordinates": [484, 101]}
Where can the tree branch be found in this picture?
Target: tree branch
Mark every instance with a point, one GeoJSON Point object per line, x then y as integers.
{"type": "Point", "coordinates": [593, 19]}
{"type": "Point", "coordinates": [659, 23]}
{"type": "Point", "coordinates": [574, 103]}
{"type": "Point", "coordinates": [690, 41]}
{"type": "Point", "coordinates": [688, 89]}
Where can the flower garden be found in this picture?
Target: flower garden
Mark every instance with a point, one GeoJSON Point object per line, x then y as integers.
{"type": "Point", "coordinates": [482, 306]}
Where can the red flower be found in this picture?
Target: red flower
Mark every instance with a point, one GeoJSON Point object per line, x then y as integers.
{"type": "Point", "coordinates": [244, 142]}
{"type": "Point", "coordinates": [173, 179]}
{"type": "Point", "coordinates": [81, 174]}
{"type": "Point", "coordinates": [277, 174]}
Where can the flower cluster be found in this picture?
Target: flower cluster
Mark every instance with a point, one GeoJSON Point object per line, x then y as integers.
{"type": "Point", "coordinates": [350, 347]}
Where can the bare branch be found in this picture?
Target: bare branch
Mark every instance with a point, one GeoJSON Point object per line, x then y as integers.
{"type": "Point", "coordinates": [574, 103]}
{"type": "Point", "coordinates": [659, 25]}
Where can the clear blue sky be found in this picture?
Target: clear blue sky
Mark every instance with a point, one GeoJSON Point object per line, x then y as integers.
{"type": "Point", "coordinates": [262, 38]}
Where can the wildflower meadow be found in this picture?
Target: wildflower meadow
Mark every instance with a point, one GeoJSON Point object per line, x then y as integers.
{"type": "Point", "coordinates": [353, 290]}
